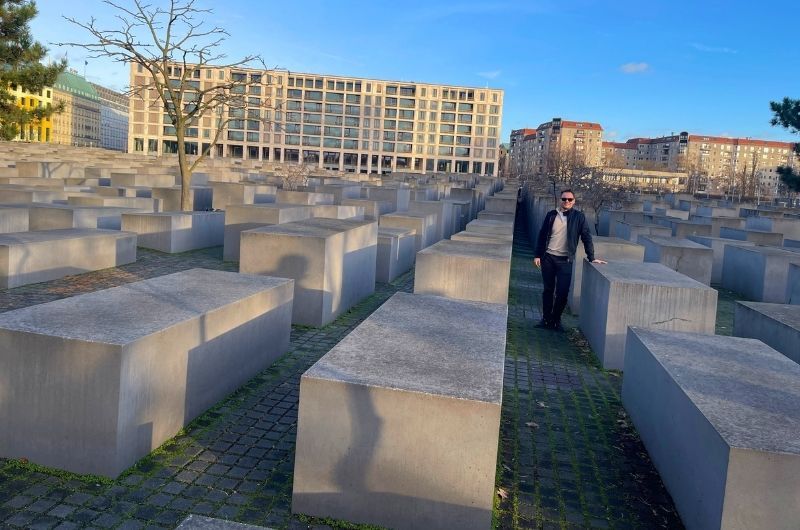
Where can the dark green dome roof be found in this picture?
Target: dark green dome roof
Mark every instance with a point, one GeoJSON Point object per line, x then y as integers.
{"type": "Point", "coordinates": [75, 84]}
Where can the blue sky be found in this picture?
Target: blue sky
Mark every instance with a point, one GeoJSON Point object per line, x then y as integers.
{"type": "Point", "coordinates": [638, 68]}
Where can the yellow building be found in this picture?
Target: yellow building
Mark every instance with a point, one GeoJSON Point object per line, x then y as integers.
{"type": "Point", "coordinates": [35, 131]}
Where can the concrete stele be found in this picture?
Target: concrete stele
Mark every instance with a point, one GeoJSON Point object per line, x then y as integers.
{"type": "Point", "coordinates": [32, 257]}
{"type": "Point", "coordinates": [719, 418]}
{"type": "Point", "coordinates": [777, 325]}
{"type": "Point", "coordinates": [621, 294]}
{"type": "Point", "coordinates": [390, 415]}
{"type": "Point", "coordinates": [464, 270]}
{"type": "Point", "coordinates": [332, 261]}
{"type": "Point", "coordinates": [94, 382]}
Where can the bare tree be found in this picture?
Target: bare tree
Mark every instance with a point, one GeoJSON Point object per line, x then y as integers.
{"type": "Point", "coordinates": [174, 48]}
{"type": "Point", "coordinates": [294, 175]}
{"type": "Point", "coordinates": [614, 161]}
{"type": "Point", "coordinates": [695, 173]}
{"type": "Point", "coordinates": [747, 177]}
{"type": "Point", "coordinates": [564, 168]}
{"type": "Point", "coordinates": [600, 189]}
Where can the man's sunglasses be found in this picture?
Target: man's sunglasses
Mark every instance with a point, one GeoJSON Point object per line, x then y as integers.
{"type": "Point", "coordinates": [567, 199]}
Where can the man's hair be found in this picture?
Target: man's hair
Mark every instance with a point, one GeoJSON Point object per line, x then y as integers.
{"type": "Point", "coordinates": [567, 191]}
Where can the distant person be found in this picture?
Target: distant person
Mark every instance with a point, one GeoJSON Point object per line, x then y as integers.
{"type": "Point", "coordinates": [554, 254]}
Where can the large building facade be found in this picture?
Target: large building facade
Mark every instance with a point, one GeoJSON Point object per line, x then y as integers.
{"type": "Point", "coordinates": [537, 151]}
{"type": "Point", "coordinates": [79, 122]}
{"type": "Point", "coordinates": [334, 122]}
{"type": "Point", "coordinates": [714, 164]}
{"type": "Point", "coordinates": [113, 118]}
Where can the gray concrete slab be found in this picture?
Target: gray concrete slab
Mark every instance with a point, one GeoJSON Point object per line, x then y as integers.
{"type": "Point", "coordinates": [396, 253]}
{"type": "Point", "coordinates": [776, 325]}
{"type": "Point", "coordinates": [56, 216]}
{"type": "Point", "coordinates": [461, 214]}
{"type": "Point", "coordinates": [139, 203]}
{"type": "Point", "coordinates": [465, 271]}
{"type": "Point", "coordinates": [241, 217]}
{"type": "Point", "coordinates": [341, 192]}
{"type": "Point", "coordinates": [482, 226]}
{"type": "Point", "coordinates": [200, 198]}
{"type": "Point", "coordinates": [390, 415]}
{"type": "Point", "coordinates": [793, 284]}
{"type": "Point", "coordinates": [790, 228]}
{"type": "Point", "coordinates": [399, 197]}
{"type": "Point", "coordinates": [14, 219]}
{"type": "Point", "coordinates": [227, 193]}
{"type": "Point", "coordinates": [503, 205]}
{"type": "Point", "coordinates": [683, 229]}
{"type": "Point", "coordinates": [94, 382]}
{"type": "Point", "coordinates": [331, 211]}
{"type": "Point", "coordinates": [717, 246]}
{"type": "Point", "coordinates": [681, 255]}
{"type": "Point", "coordinates": [719, 418]}
{"type": "Point", "coordinates": [176, 231]}
{"type": "Point", "coordinates": [495, 216]}
{"type": "Point", "coordinates": [632, 231]}
{"type": "Point", "coordinates": [143, 179]}
{"type": "Point", "coordinates": [605, 248]}
{"type": "Point", "coordinates": [444, 215]}
{"type": "Point", "coordinates": [33, 257]}
{"type": "Point", "coordinates": [372, 209]}
{"type": "Point", "coordinates": [476, 237]}
{"type": "Point", "coordinates": [759, 273]}
{"type": "Point", "coordinates": [424, 226]}
{"type": "Point", "coordinates": [621, 294]}
{"type": "Point", "coordinates": [759, 237]}
{"type": "Point", "coordinates": [303, 197]}
{"type": "Point", "coordinates": [333, 263]}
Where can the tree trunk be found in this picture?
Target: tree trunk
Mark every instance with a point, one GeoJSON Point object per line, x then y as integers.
{"type": "Point", "coordinates": [186, 175]}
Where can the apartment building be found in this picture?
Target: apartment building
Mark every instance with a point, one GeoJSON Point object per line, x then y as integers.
{"type": "Point", "coordinates": [113, 118]}
{"type": "Point", "coordinates": [715, 161]}
{"type": "Point", "coordinates": [537, 151]}
{"type": "Point", "coordinates": [36, 131]}
{"type": "Point", "coordinates": [79, 122]}
{"type": "Point", "coordinates": [335, 122]}
{"type": "Point", "coordinates": [516, 160]}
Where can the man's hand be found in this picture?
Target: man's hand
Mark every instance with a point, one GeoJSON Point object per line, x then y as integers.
{"type": "Point", "coordinates": [537, 262]}
{"type": "Point", "coordinates": [599, 262]}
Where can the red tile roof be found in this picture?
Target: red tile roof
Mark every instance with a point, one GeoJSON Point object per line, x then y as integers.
{"type": "Point", "coordinates": [566, 124]}
{"type": "Point", "coordinates": [739, 141]}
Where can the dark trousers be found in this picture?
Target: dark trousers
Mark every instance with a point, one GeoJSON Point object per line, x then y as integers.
{"type": "Point", "coordinates": [556, 276]}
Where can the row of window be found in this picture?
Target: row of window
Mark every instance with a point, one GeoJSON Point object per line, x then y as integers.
{"type": "Point", "coordinates": [170, 146]}
{"type": "Point", "coordinates": [238, 131]}
{"type": "Point", "coordinates": [340, 85]}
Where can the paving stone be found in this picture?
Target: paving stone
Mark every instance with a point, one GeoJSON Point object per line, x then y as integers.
{"type": "Point", "coordinates": [19, 501]}
{"type": "Point", "coordinates": [61, 511]}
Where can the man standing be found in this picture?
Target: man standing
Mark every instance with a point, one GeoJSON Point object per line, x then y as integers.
{"type": "Point", "coordinates": [554, 254]}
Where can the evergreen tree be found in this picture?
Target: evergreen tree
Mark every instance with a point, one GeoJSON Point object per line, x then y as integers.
{"type": "Point", "coordinates": [787, 115]}
{"type": "Point", "coordinates": [20, 65]}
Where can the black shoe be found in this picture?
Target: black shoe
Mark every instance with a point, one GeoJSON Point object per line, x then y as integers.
{"type": "Point", "coordinates": [557, 327]}
{"type": "Point", "coordinates": [544, 324]}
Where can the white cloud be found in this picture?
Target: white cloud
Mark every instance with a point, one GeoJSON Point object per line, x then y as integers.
{"type": "Point", "coordinates": [712, 49]}
{"type": "Point", "coordinates": [635, 68]}
{"type": "Point", "coordinates": [493, 74]}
